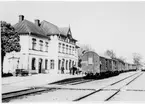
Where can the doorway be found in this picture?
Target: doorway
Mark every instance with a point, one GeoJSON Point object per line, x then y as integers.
{"type": "Point", "coordinates": [40, 65]}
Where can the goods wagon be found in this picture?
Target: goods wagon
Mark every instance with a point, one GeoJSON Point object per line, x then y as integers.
{"type": "Point", "coordinates": [90, 63]}
{"type": "Point", "coordinates": [105, 64]}
{"type": "Point", "coordinates": [114, 65]}
{"type": "Point", "coordinates": [93, 64]}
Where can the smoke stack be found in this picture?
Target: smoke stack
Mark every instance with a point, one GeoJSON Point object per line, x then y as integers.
{"type": "Point", "coordinates": [37, 22]}
{"type": "Point", "coordinates": [21, 18]}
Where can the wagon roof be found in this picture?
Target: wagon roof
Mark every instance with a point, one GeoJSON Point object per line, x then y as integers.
{"type": "Point", "coordinates": [104, 56]}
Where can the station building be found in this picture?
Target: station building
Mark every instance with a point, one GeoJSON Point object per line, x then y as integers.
{"type": "Point", "coordinates": [45, 48]}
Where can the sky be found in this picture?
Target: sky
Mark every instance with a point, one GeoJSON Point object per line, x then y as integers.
{"type": "Point", "coordinates": [119, 26]}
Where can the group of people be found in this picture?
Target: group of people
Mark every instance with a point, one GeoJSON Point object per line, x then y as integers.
{"type": "Point", "coordinates": [73, 70]}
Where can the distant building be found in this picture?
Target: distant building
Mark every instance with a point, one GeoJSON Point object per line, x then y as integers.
{"type": "Point", "coordinates": [44, 48]}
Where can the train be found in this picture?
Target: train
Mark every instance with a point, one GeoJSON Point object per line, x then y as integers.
{"type": "Point", "coordinates": [94, 64]}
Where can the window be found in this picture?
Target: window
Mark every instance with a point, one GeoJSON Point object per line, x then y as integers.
{"type": "Point", "coordinates": [73, 50]}
{"type": "Point", "coordinates": [63, 48]}
{"type": "Point", "coordinates": [72, 63]}
{"type": "Point", "coordinates": [70, 41]}
{"type": "Point", "coordinates": [63, 60]}
{"type": "Point", "coordinates": [51, 64]}
{"type": "Point", "coordinates": [69, 49]}
{"type": "Point", "coordinates": [59, 62]}
{"type": "Point", "coordinates": [66, 64]}
{"type": "Point", "coordinates": [66, 49]}
{"type": "Point", "coordinates": [46, 43]}
{"type": "Point", "coordinates": [34, 44]}
{"type": "Point", "coordinates": [33, 63]}
{"type": "Point", "coordinates": [41, 45]}
{"type": "Point", "coordinates": [59, 38]}
{"type": "Point", "coordinates": [69, 64]}
{"type": "Point", "coordinates": [67, 40]}
{"type": "Point", "coordinates": [59, 47]}
{"type": "Point", "coordinates": [46, 61]}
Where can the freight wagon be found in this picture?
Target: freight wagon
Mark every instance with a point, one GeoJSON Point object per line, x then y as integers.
{"type": "Point", "coordinates": [93, 64]}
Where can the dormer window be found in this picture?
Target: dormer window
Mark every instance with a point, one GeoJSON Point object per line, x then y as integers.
{"type": "Point", "coordinates": [67, 40]}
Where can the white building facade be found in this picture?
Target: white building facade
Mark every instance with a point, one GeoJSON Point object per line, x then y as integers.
{"type": "Point", "coordinates": [45, 48]}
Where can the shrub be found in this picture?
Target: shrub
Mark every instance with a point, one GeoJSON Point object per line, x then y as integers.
{"type": "Point", "coordinates": [7, 74]}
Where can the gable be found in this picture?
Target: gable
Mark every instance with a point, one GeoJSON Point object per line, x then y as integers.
{"type": "Point", "coordinates": [69, 33]}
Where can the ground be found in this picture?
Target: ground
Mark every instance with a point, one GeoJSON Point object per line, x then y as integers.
{"type": "Point", "coordinates": [128, 86]}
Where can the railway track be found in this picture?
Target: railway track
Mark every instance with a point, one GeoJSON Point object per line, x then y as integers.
{"type": "Point", "coordinates": [135, 76]}
{"type": "Point", "coordinates": [15, 94]}
{"type": "Point", "coordinates": [72, 82]}
{"type": "Point", "coordinates": [109, 98]}
{"type": "Point", "coordinates": [80, 81]}
{"type": "Point", "coordinates": [12, 95]}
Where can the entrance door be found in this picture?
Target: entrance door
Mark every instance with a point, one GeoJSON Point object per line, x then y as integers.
{"type": "Point", "coordinates": [66, 64]}
{"type": "Point", "coordinates": [59, 64]}
{"type": "Point", "coordinates": [69, 64]}
{"type": "Point", "coordinates": [40, 65]}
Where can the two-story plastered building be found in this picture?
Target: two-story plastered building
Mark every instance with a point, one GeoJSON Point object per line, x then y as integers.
{"type": "Point", "coordinates": [44, 48]}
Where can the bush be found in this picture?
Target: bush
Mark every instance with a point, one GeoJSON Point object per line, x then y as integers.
{"type": "Point", "coordinates": [7, 74]}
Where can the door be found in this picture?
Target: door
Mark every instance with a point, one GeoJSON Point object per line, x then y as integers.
{"type": "Point", "coordinates": [40, 65]}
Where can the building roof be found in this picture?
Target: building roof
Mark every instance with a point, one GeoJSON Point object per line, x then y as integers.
{"type": "Point", "coordinates": [49, 28]}
{"type": "Point", "coordinates": [64, 30]}
{"type": "Point", "coordinates": [26, 26]}
{"type": "Point", "coordinates": [44, 28]}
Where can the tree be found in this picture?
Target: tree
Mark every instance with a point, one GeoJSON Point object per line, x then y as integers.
{"type": "Point", "coordinates": [9, 40]}
{"type": "Point", "coordinates": [122, 59]}
{"type": "Point", "coordinates": [110, 53]}
{"type": "Point", "coordinates": [137, 59]}
{"type": "Point", "coordinates": [83, 49]}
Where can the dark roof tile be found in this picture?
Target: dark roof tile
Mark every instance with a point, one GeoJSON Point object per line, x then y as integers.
{"type": "Point", "coordinates": [26, 26]}
{"type": "Point", "coordinates": [49, 28]}
{"type": "Point", "coordinates": [64, 30]}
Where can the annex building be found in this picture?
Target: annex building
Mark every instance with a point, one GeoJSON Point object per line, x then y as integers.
{"type": "Point", "coordinates": [45, 48]}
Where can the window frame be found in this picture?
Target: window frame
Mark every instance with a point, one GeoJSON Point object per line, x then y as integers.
{"type": "Point", "coordinates": [46, 46]}
{"type": "Point", "coordinates": [34, 43]}
{"type": "Point", "coordinates": [33, 63]}
{"type": "Point", "coordinates": [52, 64]}
{"type": "Point", "coordinates": [59, 47]}
{"type": "Point", "coordinates": [41, 45]}
{"type": "Point", "coordinates": [63, 48]}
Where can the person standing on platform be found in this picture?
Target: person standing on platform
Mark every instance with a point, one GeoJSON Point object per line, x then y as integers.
{"type": "Point", "coordinates": [62, 70]}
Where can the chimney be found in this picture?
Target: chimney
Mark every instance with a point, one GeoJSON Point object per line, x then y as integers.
{"type": "Point", "coordinates": [21, 18]}
{"type": "Point", "coordinates": [37, 22]}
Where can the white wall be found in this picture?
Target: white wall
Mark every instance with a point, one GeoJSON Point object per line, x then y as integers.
{"type": "Point", "coordinates": [24, 42]}
{"type": "Point", "coordinates": [26, 54]}
{"type": "Point", "coordinates": [53, 53]}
